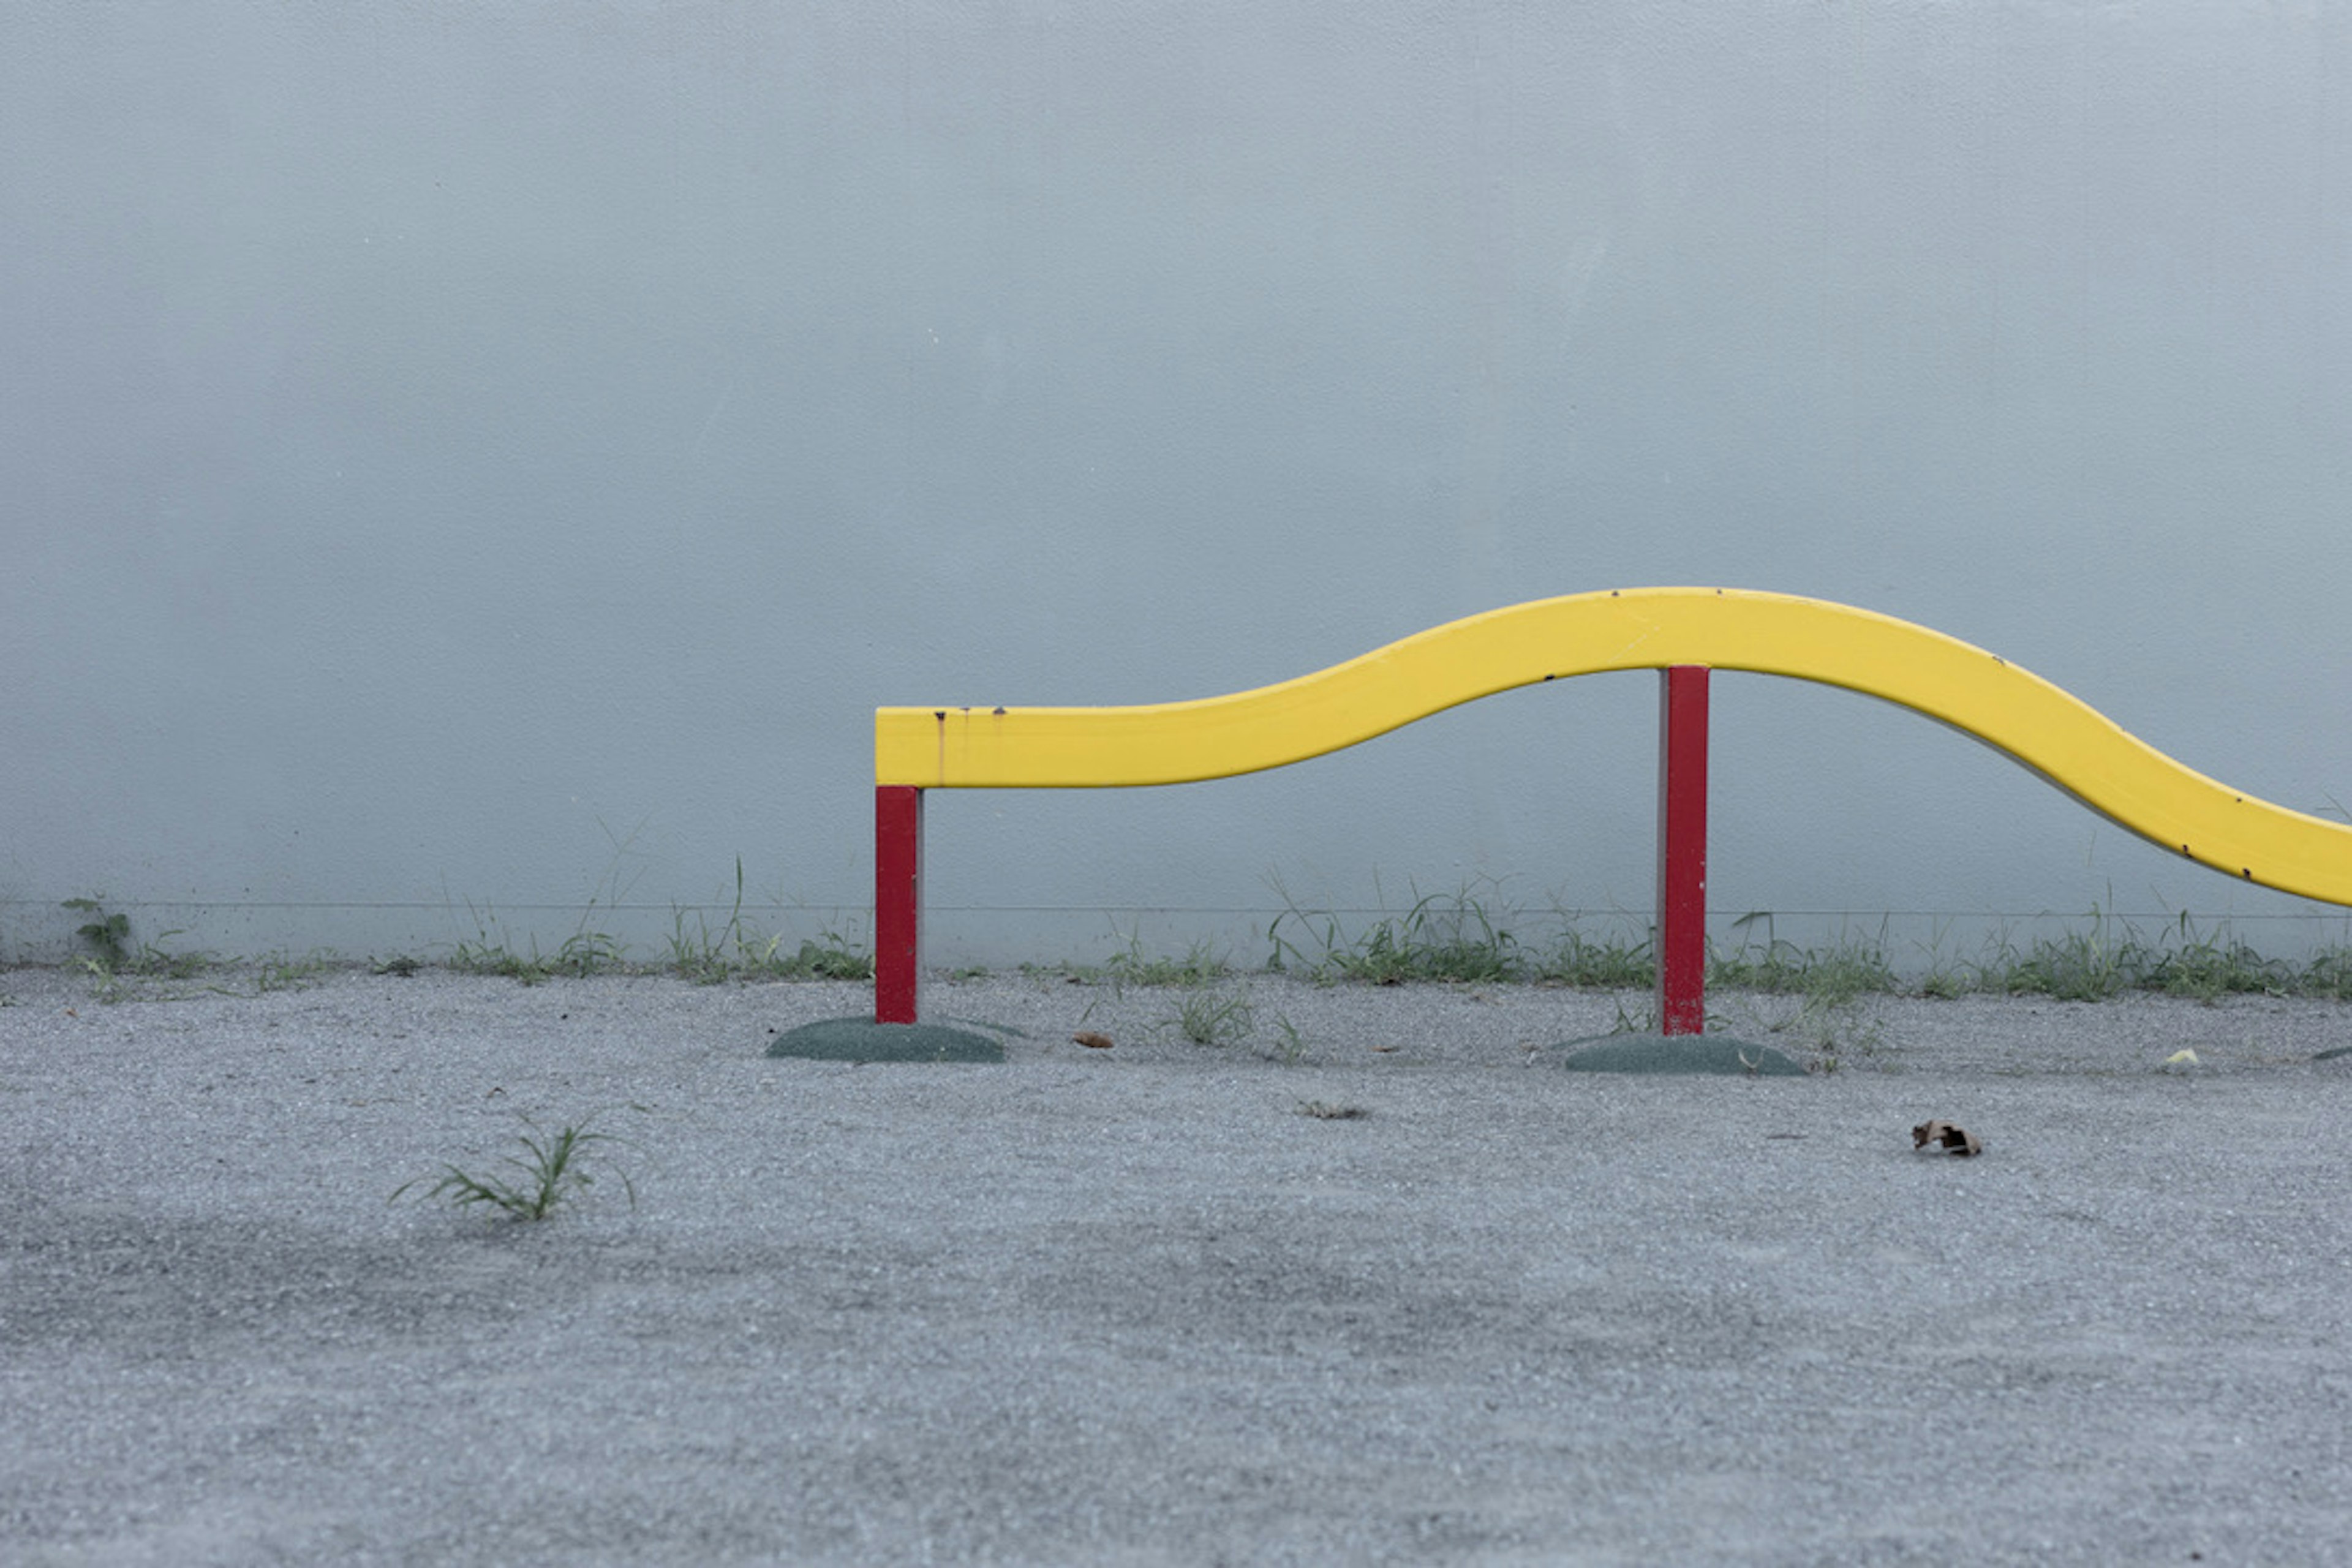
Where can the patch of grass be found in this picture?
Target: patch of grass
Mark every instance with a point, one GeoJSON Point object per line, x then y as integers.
{"type": "Point", "coordinates": [547, 1173]}
{"type": "Point", "coordinates": [1612, 964]}
{"type": "Point", "coordinates": [1443, 937]}
{"type": "Point", "coordinates": [487, 956]}
{"type": "Point", "coordinates": [401, 965]}
{"type": "Point", "coordinates": [829, 957]}
{"type": "Point", "coordinates": [735, 952]}
{"type": "Point", "coordinates": [583, 954]}
{"type": "Point", "coordinates": [2073, 966]}
{"type": "Point", "coordinates": [1471, 936]}
{"type": "Point", "coordinates": [700, 957]}
{"type": "Point", "coordinates": [1945, 979]}
{"type": "Point", "coordinates": [2110, 956]}
{"type": "Point", "coordinates": [1208, 1017]}
{"type": "Point", "coordinates": [1201, 964]}
{"type": "Point", "coordinates": [711, 958]}
{"type": "Point", "coordinates": [2208, 968]}
{"type": "Point", "coordinates": [2329, 973]}
{"type": "Point", "coordinates": [282, 972]}
{"type": "Point", "coordinates": [1829, 976]}
{"type": "Point", "coordinates": [172, 966]}
{"type": "Point", "coordinates": [1946, 983]}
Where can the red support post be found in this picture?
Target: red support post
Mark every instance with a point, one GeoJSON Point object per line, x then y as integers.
{"type": "Point", "coordinates": [897, 903]}
{"type": "Point", "coordinates": [1682, 849]}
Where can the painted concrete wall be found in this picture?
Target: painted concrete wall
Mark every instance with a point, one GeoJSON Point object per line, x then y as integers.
{"type": "Point", "coordinates": [467, 460]}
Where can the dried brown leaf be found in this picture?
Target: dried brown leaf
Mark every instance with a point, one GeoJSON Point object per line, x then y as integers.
{"type": "Point", "coordinates": [1091, 1040]}
{"type": "Point", "coordinates": [1945, 1139]}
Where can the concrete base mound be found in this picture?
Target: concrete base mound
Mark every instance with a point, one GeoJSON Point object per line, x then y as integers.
{"type": "Point", "coordinates": [864, 1040]}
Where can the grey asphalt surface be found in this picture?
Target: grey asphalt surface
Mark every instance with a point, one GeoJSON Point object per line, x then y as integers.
{"type": "Point", "coordinates": [1137, 1306]}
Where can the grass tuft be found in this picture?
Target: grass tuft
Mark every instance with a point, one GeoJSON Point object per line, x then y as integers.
{"type": "Point", "coordinates": [548, 1173]}
{"type": "Point", "coordinates": [735, 952]}
{"type": "Point", "coordinates": [1443, 937]}
{"type": "Point", "coordinates": [1826, 977]}
{"type": "Point", "coordinates": [1611, 964]}
{"type": "Point", "coordinates": [284, 972]}
{"type": "Point", "coordinates": [2074, 966]}
{"type": "Point", "coordinates": [2329, 973]}
{"type": "Point", "coordinates": [1201, 964]}
{"type": "Point", "coordinates": [1207, 1018]}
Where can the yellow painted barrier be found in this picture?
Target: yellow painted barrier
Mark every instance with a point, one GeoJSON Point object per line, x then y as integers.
{"type": "Point", "coordinates": [2056, 734]}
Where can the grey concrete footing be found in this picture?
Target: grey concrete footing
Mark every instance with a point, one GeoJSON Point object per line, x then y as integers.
{"type": "Point", "coordinates": [864, 1040]}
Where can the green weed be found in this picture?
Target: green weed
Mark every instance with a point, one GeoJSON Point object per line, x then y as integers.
{"type": "Point", "coordinates": [108, 935]}
{"type": "Point", "coordinates": [1207, 1018]}
{"type": "Point", "coordinates": [1945, 979]}
{"type": "Point", "coordinates": [583, 954]}
{"type": "Point", "coordinates": [105, 985]}
{"type": "Point", "coordinates": [829, 957]}
{"type": "Point", "coordinates": [487, 956]}
{"type": "Point", "coordinates": [1829, 1032]}
{"type": "Point", "coordinates": [2329, 973]}
{"type": "Point", "coordinates": [1613, 964]}
{"type": "Point", "coordinates": [548, 1173]}
{"type": "Point", "coordinates": [112, 958]}
{"type": "Point", "coordinates": [734, 951]}
{"type": "Point", "coordinates": [1828, 977]}
{"type": "Point", "coordinates": [2074, 966]}
{"type": "Point", "coordinates": [284, 973]}
{"type": "Point", "coordinates": [709, 958]}
{"type": "Point", "coordinates": [1443, 937]}
{"type": "Point", "coordinates": [1469, 936]}
{"type": "Point", "coordinates": [1201, 964]}
{"type": "Point", "coordinates": [1643, 1019]}
{"type": "Point", "coordinates": [2208, 969]}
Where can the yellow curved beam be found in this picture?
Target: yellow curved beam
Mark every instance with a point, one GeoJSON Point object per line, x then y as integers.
{"type": "Point", "coordinates": [2064, 739]}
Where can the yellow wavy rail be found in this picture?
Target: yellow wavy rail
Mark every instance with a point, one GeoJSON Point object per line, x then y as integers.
{"type": "Point", "coordinates": [2057, 735]}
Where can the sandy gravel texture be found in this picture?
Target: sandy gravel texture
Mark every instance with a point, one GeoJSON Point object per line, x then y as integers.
{"type": "Point", "coordinates": [1138, 1306]}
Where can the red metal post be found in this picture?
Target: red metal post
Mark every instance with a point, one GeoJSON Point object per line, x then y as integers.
{"type": "Point", "coordinates": [1682, 849]}
{"type": "Point", "coordinates": [897, 903]}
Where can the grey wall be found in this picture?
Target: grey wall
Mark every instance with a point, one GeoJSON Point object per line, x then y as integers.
{"type": "Point", "coordinates": [498, 455]}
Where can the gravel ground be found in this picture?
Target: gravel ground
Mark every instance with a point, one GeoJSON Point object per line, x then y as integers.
{"type": "Point", "coordinates": [1145, 1304]}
